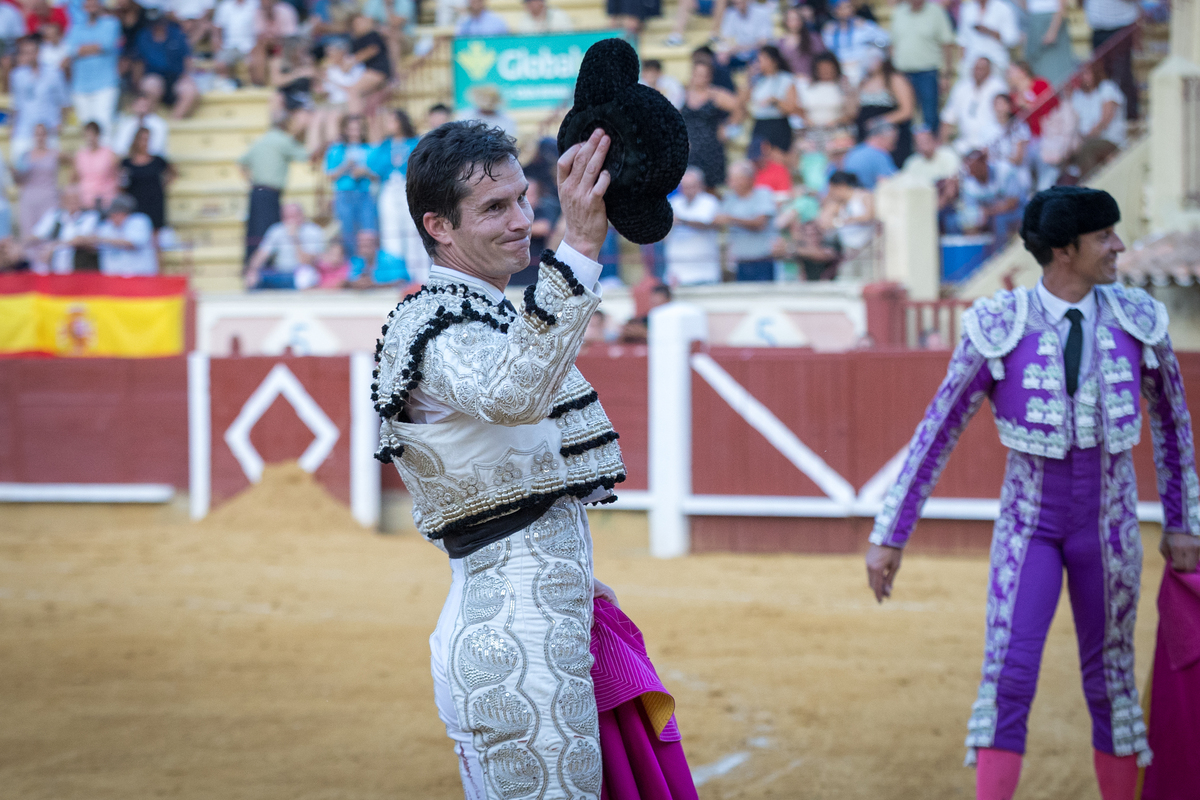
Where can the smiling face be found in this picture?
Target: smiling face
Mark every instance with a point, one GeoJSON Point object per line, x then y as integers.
{"type": "Point", "coordinates": [491, 240]}
{"type": "Point", "coordinates": [1094, 259]}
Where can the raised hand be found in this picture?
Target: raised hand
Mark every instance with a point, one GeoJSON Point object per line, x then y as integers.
{"type": "Point", "coordinates": [581, 186]}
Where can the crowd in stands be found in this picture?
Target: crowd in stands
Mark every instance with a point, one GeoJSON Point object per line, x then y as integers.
{"type": "Point", "coordinates": [794, 113]}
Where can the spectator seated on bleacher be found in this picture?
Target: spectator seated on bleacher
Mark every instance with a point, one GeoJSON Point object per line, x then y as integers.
{"type": "Point", "coordinates": [746, 214]}
{"type": "Point", "coordinates": [164, 53]}
{"type": "Point", "coordinates": [40, 12]}
{"type": "Point", "coordinates": [872, 159]}
{"type": "Point", "coordinates": [141, 115]}
{"type": "Point", "coordinates": [537, 17]}
{"type": "Point", "coordinates": [59, 243]}
{"type": "Point", "coordinates": [771, 168]}
{"type": "Point", "coordinates": [1100, 107]}
{"type": "Point", "coordinates": [692, 248]}
{"type": "Point", "coordinates": [803, 243]}
{"type": "Point", "coordinates": [333, 267]}
{"type": "Point", "coordinates": [234, 32]}
{"type": "Point", "coordinates": [53, 52]}
{"type": "Point", "coordinates": [969, 117]}
{"type": "Point", "coordinates": [746, 26]}
{"type": "Point", "coordinates": [933, 162]}
{"type": "Point", "coordinates": [196, 19]}
{"type": "Point", "coordinates": [479, 20]}
{"type": "Point", "coordinates": [288, 247]}
{"type": "Point", "coordinates": [370, 49]}
{"type": "Point", "coordinates": [1011, 150]}
{"type": "Point", "coordinates": [848, 214]}
{"type": "Point", "coordinates": [989, 200]}
{"type": "Point", "coordinates": [125, 240]}
{"type": "Point", "coordinates": [372, 268]}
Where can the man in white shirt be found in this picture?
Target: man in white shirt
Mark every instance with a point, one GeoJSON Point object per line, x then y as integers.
{"type": "Point", "coordinates": [693, 251]}
{"type": "Point", "coordinates": [234, 34]}
{"type": "Point", "coordinates": [60, 231]}
{"type": "Point", "coordinates": [141, 115]}
{"type": "Point", "coordinates": [479, 20]}
{"type": "Point", "coordinates": [852, 39]}
{"type": "Point", "coordinates": [541, 18]}
{"type": "Point", "coordinates": [125, 241]}
{"type": "Point", "coordinates": [512, 640]}
{"type": "Point", "coordinates": [745, 27]}
{"type": "Point", "coordinates": [987, 28]}
{"type": "Point", "coordinates": [932, 163]}
{"type": "Point", "coordinates": [293, 243]}
{"type": "Point", "coordinates": [969, 116]}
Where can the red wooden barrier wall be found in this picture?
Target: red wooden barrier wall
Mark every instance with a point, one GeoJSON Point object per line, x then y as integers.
{"type": "Point", "coordinates": [103, 420]}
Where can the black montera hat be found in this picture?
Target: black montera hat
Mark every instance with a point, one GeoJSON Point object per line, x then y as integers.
{"type": "Point", "coordinates": [649, 149]}
{"type": "Point", "coordinates": [1055, 216]}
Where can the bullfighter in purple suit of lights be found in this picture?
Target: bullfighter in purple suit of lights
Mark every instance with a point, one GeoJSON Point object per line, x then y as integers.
{"type": "Point", "coordinates": [1062, 365]}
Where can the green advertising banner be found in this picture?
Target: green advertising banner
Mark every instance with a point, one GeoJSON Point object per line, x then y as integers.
{"type": "Point", "coordinates": [528, 71]}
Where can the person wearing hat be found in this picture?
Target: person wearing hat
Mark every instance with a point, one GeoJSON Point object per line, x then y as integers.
{"type": "Point", "coordinates": [486, 100]}
{"type": "Point", "coordinates": [1063, 365]}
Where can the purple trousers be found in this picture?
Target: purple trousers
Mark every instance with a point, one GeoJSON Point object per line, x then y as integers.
{"type": "Point", "coordinates": [1078, 513]}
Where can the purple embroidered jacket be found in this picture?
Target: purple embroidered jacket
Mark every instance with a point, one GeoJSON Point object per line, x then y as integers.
{"type": "Point", "coordinates": [1012, 355]}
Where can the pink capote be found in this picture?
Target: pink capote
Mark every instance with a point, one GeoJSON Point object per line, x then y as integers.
{"type": "Point", "coordinates": [639, 740]}
{"type": "Point", "coordinates": [1175, 692]}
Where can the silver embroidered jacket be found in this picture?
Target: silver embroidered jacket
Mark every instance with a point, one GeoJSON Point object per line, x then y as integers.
{"type": "Point", "coordinates": [1012, 355]}
{"type": "Point", "coordinates": [527, 425]}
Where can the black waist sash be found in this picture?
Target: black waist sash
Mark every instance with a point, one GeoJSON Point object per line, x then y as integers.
{"type": "Point", "coordinates": [461, 545]}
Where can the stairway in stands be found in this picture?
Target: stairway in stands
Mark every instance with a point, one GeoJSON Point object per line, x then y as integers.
{"type": "Point", "coordinates": [207, 203]}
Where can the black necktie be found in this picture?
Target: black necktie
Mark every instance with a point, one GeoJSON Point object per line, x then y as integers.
{"type": "Point", "coordinates": [1073, 353]}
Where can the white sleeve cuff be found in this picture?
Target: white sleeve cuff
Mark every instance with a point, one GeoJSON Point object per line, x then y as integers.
{"type": "Point", "coordinates": [587, 272]}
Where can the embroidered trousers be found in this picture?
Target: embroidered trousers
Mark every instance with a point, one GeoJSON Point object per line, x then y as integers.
{"type": "Point", "coordinates": [1077, 513]}
{"type": "Point", "coordinates": [512, 663]}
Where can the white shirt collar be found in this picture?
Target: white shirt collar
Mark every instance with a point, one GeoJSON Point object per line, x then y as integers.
{"type": "Point", "coordinates": [455, 276]}
{"type": "Point", "coordinates": [1056, 308]}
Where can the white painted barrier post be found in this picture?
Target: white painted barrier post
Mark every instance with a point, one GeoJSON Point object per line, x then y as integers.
{"type": "Point", "coordinates": [199, 435]}
{"type": "Point", "coordinates": [364, 440]}
{"type": "Point", "coordinates": [673, 328]}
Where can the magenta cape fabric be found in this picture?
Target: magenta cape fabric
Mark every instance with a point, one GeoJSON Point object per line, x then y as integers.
{"type": "Point", "coordinates": [1175, 692]}
{"type": "Point", "coordinates": [638, 765]}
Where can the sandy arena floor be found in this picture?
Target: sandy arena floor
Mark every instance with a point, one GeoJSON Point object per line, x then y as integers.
{"type": "Point", "coordinates": [277, 651]}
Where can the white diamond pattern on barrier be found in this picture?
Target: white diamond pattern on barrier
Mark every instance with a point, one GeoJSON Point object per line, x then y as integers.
{"type": "Point", "coordinates": [281, 381]}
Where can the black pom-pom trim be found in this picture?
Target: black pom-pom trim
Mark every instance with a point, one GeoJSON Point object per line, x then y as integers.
{"type": "Point", "coordinates": [386, 454]}
{"type": "Point", "coordinates": [411, 373]}
{"type": "Point", "coordinates": [590, 444]}
{"type": "Point", "coordinates": [582, 401]}
{"type": "Point", "coordinates": [533, 309]}
{"type": "Point", "coordinates": [580, 490]}
{"type": "Point", "coordinates": [568, 276]}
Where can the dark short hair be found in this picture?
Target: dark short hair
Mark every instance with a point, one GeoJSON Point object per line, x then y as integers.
{"type": "Point", "coordinates": [772, 52]}
{"type": "Point", "coordinates": [843, 178]}
{"type": "Point", "coordinates": [443, 162]}
{"type": "Point", "coordinates": [436, 107]}
{"type": "Point", "coordinates": [652, 63]}
{"type": "Point", "coordinates": [92, 126]}
{"type": "Point", "coordinates": [826, 57]}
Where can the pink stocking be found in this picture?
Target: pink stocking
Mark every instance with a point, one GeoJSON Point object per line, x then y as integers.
{"type": "Point", "coordinates": [1117, 775]}
{"type": "Point", "coordinates": [997, 773]}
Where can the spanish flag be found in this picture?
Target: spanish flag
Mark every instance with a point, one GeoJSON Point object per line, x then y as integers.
{"type": "Point", "coordinates": [89, 314]}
